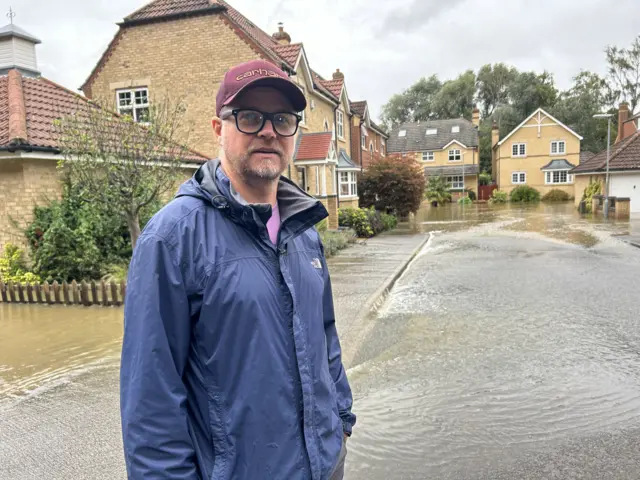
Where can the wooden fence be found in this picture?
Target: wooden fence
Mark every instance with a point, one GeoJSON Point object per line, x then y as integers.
{"type": "Point", "coordinates": [83, 293]}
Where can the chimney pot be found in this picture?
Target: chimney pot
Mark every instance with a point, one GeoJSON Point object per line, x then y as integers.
{"type": "Point", "coordinates": [282, 37]}
{"type": "Point", "coordinates": [338, 75]}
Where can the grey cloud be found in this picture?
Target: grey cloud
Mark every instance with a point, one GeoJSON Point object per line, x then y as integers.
{"type": "Point", "coordinates": [416, 15]}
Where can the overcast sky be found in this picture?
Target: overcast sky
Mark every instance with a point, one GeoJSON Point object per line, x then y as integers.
{"type": "Point", "coordinates": [382, 46]}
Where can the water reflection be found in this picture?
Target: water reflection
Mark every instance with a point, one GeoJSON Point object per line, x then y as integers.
{"type": "Point", "coordinates": [44, 346]}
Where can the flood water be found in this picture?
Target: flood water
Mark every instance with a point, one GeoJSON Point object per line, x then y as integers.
{"type": "Point", "coordinates": [510, 349]}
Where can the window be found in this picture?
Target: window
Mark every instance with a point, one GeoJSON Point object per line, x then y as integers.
{"type": "Point", "coordinates": [383, 146]}
{"type": "Point", "coordinates": [340, 118]}
{"type": "Point", "coordinates": [558, 148]}
{"type": "Point", "coordinates": [455, 155]}
{"type": "Point", "coordinates": [558, 176]}
{"type": "Point", "coordinates": [455, 182]}
{"type": "Point", "coordinates": [518, 178]}
{"type": "Point", "coordinates": [303, 113]}
{"type": "Point", "coordinates": [348, 184]}
{"type": "Point", "coordinates": [363, 140]}
{"type": "Point", "coordinates": [519, 150]}
{"type": "Point", "coordinates": [432, 131]}
{"type": "Point", "coordinates": [402, 133]}
{"type": "Point", "coordinates": [134, 103]}
{"type": "Point", "coordinates": [455, 129]}
{"type": "Point", "coordinates": [371, 149]}
{"type": "Point", "coordinates": [428, 156]}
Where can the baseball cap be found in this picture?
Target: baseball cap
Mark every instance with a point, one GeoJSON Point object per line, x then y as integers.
{"type": "Point", "coordinates": [258, 73]}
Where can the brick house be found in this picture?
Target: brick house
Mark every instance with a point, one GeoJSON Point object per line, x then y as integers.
{"type": "Point", "coordinates": [29, 153]}
{"type": "Point", "coordinates": [446, 148]}
{"type": "Point", "coordinates": [368, 140]}
{"type": "Point", "coordinates": [182, 48]}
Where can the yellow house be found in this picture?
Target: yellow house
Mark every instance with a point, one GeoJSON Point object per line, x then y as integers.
{"type": "Point", "coordinates": [540, 153]}
{"type": "Point", "coordinates": [445, 148]}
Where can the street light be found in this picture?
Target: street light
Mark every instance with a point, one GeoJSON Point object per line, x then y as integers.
{"type": "Point", "coordinates": [606, 196]}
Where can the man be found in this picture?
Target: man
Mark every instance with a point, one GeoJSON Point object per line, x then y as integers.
{"type": "Point", "coordinates": [231, 363]}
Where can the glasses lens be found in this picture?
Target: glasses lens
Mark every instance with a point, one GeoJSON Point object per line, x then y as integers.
{"type": "Point", "coordinates": [285, 124]}
{"type": "Point", "coordinates": [250, 121]}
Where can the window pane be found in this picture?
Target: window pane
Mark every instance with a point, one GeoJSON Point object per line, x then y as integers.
{"type": "Point", "coordinates": [523, 149]}
{"type": "Point", "coordinates": [344, 177]}
{"type": "Point", "coordinates": [561, 147]}
{"type": "Point", "coordinates": [515, 150]}
{"type": "Point", "coordinates": [141, 97]}
{"type": "Point", "coordinates": [563, 177]}
{"type": "Point", "coordinates": [344, 189]}
{"type": "Point", "coordinates": [523, 177]}
{"type": "Point", "coordinates": [124, 99]}
{"type": "Point", "coordinates": [556, 177]}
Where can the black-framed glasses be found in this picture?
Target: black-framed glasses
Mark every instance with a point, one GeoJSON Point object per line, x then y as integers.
{"type": "Point", "coordinates": [251, 121]}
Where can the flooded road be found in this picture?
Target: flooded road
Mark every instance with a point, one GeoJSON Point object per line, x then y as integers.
{"type": "Point", "coordinates": [510, 349]}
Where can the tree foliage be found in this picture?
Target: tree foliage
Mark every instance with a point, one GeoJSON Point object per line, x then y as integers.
{"type": "Point", "coordinates": [122, 163]}
{"type": "Point", "coordinates": [392, 185]}
{"type": "Point", "coordinates": [624, 72]}
{"type": "Point", "coordinates": [437, 190]}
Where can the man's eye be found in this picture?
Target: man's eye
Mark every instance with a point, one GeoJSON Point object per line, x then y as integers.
{"type": "Point", "coordinates": [251, 117]}
{"type": "Point", "coordinates": [283, 119]}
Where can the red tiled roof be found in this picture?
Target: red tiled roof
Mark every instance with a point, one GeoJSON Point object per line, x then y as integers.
{"type": "Point", "coordinates": [313, 146]}
{"type": "Point", "coordinates": [334, 86]}
{"type": "Point", "coordinates": [36, 105]}
{"type": "Point", "coordinates": [359, 107]}
{"type": "Point", "coordinates": [167, 8]}
{"type": "Point", "coordinates": [264, 39]}
{"type": "Point", "coordinates": [624, 155]}
{"type": "Point", "coordinates": [289, 53]}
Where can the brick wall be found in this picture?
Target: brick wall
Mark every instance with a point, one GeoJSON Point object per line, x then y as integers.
{"type": "Point", "coordinates": [24, 184]}
{"type": "Point", "coordinates": [185, 59]}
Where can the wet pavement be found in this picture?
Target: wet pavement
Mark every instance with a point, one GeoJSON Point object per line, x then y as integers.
{"type": "Point", "coordinates": [510, 349]}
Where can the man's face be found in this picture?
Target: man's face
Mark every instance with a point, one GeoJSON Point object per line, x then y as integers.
{"type": "Point", "coordinates": [264, 155]}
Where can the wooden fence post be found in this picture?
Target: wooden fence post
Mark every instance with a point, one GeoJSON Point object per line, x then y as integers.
{"type": "Point", "coordinates": [30, 293]}
{"type": "Point", "coordinates": [123, 290]}
{"type": "Point", "coordinates": [105, 296]}
{"type": "Point", "coordinates": [84, 293]}
{"type": "Point", "coordinates": [65, 292]}
{"type": "Point", "coordinates": [94, 294]}
{"type": "Point", "coordinates": [38, 293]}
{"type": "Point", "coordinates": [75, 293]}
{"type": "Point", "coordinates": [114, 294]}
{"type": "Point", "coordinates": [21, 293]}
{"type": "Point", "coordinates": [12, 298]}
{"type": "Point", "coordinates": [3, 292]}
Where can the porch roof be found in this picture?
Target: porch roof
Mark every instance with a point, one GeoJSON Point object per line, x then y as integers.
{"type": "Point", "coordinates": [558, 165]}
{"type": "Point", "coordinates": [345, 163]}
{"type": "Point", "coordinates": [457, 170]}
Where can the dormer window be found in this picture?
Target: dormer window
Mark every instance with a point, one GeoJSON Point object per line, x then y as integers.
{"type": "Point", "coordinates": [402, 133]}
{"type": "Point", "coordinates": [432, 131]}
{"type": "Point", "coordinates": [455, 129]}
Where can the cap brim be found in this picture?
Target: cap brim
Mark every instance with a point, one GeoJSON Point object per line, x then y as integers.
{"type": "Point", "coordinates": [286, 87]}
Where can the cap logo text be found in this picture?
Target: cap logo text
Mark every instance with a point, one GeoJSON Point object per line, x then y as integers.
{"type": "Point", "coordinates": [257, 72]}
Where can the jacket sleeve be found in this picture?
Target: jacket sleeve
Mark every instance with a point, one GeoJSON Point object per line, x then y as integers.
{"type": "Point", "coordinates": [334, 352]}
{"type": "Point", "coordinates": [155, 347]}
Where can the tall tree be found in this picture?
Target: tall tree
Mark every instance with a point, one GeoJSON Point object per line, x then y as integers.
{"type": "Point", "coordinates": [530, 91]}
{"type": "Point", "coordinates": [492, 85]}
{"type": "Point", "coordinates": [455, 98]}
{"type": "Point", "coordinates": [624, 72]}
{"type": "Point", "coordinates": [415, 103]}
{"type": "Point", "coordinates": [122, 163]}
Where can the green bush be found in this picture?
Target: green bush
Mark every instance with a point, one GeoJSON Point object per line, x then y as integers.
{"type": "Point", "coordinates": [499, 196]}
{"type": "Point", "coordinates": [471, 194]}
{"type": "Point", "coordinates": [389, 221]}
{"type": "Point", "coordinates": [556, 195]}
{"type": "Point", "coordinates": [13, 267]}
{"type": "Point", "coordinates": [525, 193]}
{"type": "Point", "coordinates": [336, 241]}
{"type": "Point", "coordinates": [594, 188]}
{"type": "Point", "coordinates": [437, 190]}
{"type": "Point", "coordinates": [484, 178]}
{"type": "Point", "coordinates": [322, 225]}
{"type": "Point", "coordinates": [464, 201]}
{"type": "Point", "coordinates": [366, 222]}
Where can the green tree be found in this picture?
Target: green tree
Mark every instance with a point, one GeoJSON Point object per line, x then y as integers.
{"type": "Point", "coordinates": [493, 83]}
{"type": "Point", "coordinates": [530, 91]}
{"type": "Point", "coordinates": [437, 190]}
{"type": "Point", "coordinates": [122, 163]}
{"type": "Point", "coordinates": [455, 98]}
{"type": "Point", "coordinates": [392, 185]}
{"type": "Point", "coordinates": [415, 103]}
{"type": "Point", "coordinates": [624, 72]}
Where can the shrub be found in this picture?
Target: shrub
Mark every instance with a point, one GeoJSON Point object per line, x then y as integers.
{"type": "Point", "coordinates": [322, 225]}
{"type": "Point", "coordinates": [13, 267]}
{"type": "Point", "coordinates": [464, 201]}
{"type": "Point", "coordinates": [336, 241]}
{"type": "Point", "coordinates": [556, 195]}
{"type": "Point", "coordinates": [594, 188]}
{"type": "Point", "coordinates": [499, 197]}
{"type": "Point", "coordinates": [484, 178]}
{"type": "Point", "coordinates": [389, 221]}
{"type": "Point", "coordinates": [437, 190]}
{"type": "Point", "coordinates": [472, 195]}
{"type": "Point", "coordinates": [366, 222]}
{"type": "Point", "coordinates": [525, 193]}
{"type": "Point", "coordinates": [393, 185]}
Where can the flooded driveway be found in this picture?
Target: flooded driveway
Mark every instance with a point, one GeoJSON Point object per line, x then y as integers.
{"type": "Point", "coordinates": [510, 349]}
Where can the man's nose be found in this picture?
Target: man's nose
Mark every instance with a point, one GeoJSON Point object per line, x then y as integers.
{"type": "Point", "coordinates": [267, 131]}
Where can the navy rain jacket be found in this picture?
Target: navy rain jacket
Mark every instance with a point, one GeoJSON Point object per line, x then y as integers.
{"type": "Point", "coordinates": [231, 363]}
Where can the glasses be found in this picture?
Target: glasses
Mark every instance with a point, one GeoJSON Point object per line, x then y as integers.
{"type": "Point", "coordinates": [251, 122]}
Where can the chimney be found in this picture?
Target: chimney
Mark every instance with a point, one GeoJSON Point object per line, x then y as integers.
{"type": "Point", "coordinates": [338, 75]}
{"type": "Point", "coordinates": [475, 117]}
{"type": "Point", "coordinates": [626, 127]}
{"type": "Point", "coordinates": [495, 134]}
{"type": "Point", "coordinates": [282, 37]}
{"type": "Point", "coordinates": [18, 50]}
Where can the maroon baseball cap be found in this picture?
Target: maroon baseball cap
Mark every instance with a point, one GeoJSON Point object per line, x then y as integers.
{"type": "Point", "coordinates": [258, 73]}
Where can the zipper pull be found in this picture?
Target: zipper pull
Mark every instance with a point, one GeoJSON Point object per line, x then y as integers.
{"type": "Point", "coordinates": [283, 250]}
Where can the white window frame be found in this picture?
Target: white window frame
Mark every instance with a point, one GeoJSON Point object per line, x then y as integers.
{"type": "Point", "coordinates": [455, 129]}
{"type": "Point", "coordinates": [520, 148]}
{"type": "Point", "coordinates": [519, 180]}
{"type": "Point", "coordinates": [371, 149]}
{"type": "Point", "coordinates": [340, 123]}
{"type": "Point", "coordinates": [303, 113]}
{"type": "Point", "coordinates": [350, 180]}
{"type": "Point", "coordinates": [363, 140]}
{"type": "Point", "coordinates": [317, 180]}
{"type": "Point", "coordinates": [402, 133]}
{"type": "Point", "coordinates": [452, 153]}
{"type": "Point", "coordinates": [432, 131]}
{"type": "Point", "coordinates": [133, 109]}
{"type": "Point", "coordinates": [550, 177]}
{"type": "Point", "coordinates": [455, 182]}
{"type": "Point", "coordinates": [557, 144]}
{"type": "Point", "coordinates": [383, 148]}
{"type": "Point", "coordinates": [428, 156]}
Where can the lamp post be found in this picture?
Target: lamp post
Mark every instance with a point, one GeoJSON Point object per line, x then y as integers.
{"type": "Point", "coordinates": [606, 188]}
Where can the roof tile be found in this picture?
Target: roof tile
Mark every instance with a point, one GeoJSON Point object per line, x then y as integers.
{"type": "Point", "coordinates": [417, 140]}
{"type": "Point", "coordinates": [313, 146]}
{"type": "Point", "coordinates": [334, 86]}
{"type": "Point", "coordinates": [289, 53]}
{"type": "Point", "coordinates": [165, 8]}
{"type": "Point", "coordinates": [359, 107]}
{"type": "Point", "coordinates": [624, 155]}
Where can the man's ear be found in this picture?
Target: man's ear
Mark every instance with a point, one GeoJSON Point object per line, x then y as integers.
{"type": "Point", "coordinates": [216, 123]}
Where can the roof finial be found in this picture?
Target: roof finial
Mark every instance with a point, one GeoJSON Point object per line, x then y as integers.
{"type": "Point", "coordinates": [11, 15]}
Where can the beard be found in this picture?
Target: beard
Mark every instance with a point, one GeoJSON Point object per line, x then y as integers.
{"type": "Point", "coordinates": [255, 166]}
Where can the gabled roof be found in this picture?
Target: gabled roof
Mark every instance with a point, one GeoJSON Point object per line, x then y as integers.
{"type": "Point", "coordinates": [163, 9]}
{"type": "Point", "coordinates": [558, 164]}
{"type": "Point", "coordinates": [289, 53]}
{"type": "Point", "coordinates": [345, 162]}
{"type": "Point", "coordinates": [359, 108]}
{"type": "Point", "coordinates": [334, 86]}
{"type": "Point", "coordinates": [29, 106]}
{"type": "Point", "coordinates": [417, 140]}
{"type": "Point", "coordinates": [313, 146]}
{"type": "Point", "coordinates": [541, 111]}
{"type": "Point", "coordinates": [625, 155]}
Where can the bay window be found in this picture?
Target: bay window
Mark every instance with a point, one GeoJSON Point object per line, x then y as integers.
{"type": "Point", "coordinates": [348, 184]}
